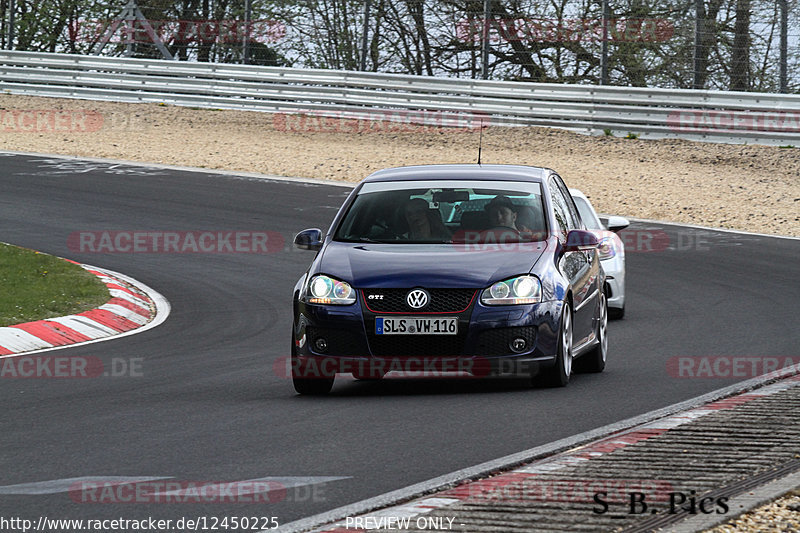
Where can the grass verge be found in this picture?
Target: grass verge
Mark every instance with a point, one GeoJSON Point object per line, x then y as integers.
{"type": "Point", "coordinates": [34, 286]}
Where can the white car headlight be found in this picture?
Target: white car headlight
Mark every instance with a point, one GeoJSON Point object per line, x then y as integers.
{"type": "Point", "coordinates": [519, 290]}
{"type": "Point", "coordinates": [323, 289]}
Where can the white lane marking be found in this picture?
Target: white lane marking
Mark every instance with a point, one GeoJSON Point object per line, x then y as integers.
{"type": "Point", "coordinates": [259, 485]}
{"type": "Point", "coordinates": [125, 313]}
{"type": "Point", "coordinates": [552, 465]}
{"type": "Point", "coordinates": [773, 389]}
{"type": "Point", "coordinates": [414, 508]}
{"type": "Point", "coordinates": [667, 423]}
{"type": "Point", "coordinates": [55, 486]}
{"type": "Point", "coordinates": [128, 297]}
{"type": "Point", "coordinates": [18, 340]}
{"type": "Point", "coordinates": [86, 326]}
{"type": "Point", "coordinates": [228, 173]}
{"type": "Point", "coordinates": [107, 280]}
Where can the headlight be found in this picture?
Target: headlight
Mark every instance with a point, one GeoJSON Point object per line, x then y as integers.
{"type": "Point", "coordinates": [606, 248]}
{"type": "Point", "coordinates": [519, 290]}
{"type": "Point", "coordinates": [325, 290]}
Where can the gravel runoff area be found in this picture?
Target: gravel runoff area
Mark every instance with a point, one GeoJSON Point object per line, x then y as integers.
{"type": "Point", "coordinates": [746, 187]}
{"type": "Point", "coordinates": [780, 516]}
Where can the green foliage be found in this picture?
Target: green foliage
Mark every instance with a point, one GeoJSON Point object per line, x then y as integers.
{"type": "Point", "coordinates": [37, 286]}
{"type": "Point", "coordinates": [650, 43]}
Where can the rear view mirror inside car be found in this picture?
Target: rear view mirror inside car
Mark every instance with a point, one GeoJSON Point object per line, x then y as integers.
{"type": "Point", "coordinates": [450, 196]}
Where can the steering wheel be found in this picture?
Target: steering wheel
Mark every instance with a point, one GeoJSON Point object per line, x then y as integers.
{"type": "Point", "coordinates": [500, 234]}
{"type": "Point", "coordinates": [503, 228]}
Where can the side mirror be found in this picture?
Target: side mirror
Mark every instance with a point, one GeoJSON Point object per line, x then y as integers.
{"type": "Point", "coordinates": [309, 239]}
{"type": "Point", "coordinates": [616, 224]}
{"type": "Point", "coordinates": [580, 239]}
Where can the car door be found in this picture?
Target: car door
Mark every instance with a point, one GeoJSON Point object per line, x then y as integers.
{"type": "Point", "coordinates": [579, 267]}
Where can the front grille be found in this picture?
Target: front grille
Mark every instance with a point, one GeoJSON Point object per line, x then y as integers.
{"type": "Point", "coordinates": [340, 342]}
{"type": "Point", "coordinates": [416, 345]}
{"type": "Point", "coordinates": [496, 341]}
{"type": "Point", "coordinates": [394, 300]}
{"type": "Point", "coordinates": [456, 302]}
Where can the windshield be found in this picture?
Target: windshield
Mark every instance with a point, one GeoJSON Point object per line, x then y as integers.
{"type": "Point", "coordinates": [587, 214]}
{"type": "Point", "coordinates": [445, 212]}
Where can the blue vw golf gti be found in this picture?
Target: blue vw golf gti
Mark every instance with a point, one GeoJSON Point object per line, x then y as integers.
{"type": "Point", "coordinates": [483, 269]}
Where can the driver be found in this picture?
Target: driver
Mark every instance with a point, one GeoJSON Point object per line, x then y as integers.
{"type": "Point", "coordinates": [502, 212]}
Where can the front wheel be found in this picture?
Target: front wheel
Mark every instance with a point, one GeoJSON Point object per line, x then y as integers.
{"type": "Point", "coordinates": [558, 375]}
{"type": "Point", "coordinates": [307, 382]}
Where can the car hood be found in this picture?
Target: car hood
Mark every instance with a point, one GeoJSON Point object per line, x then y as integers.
{"type": "Point", "coordinates": [428, 265]}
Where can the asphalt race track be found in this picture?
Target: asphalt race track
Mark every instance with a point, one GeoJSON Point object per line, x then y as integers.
{"type": "Point", "coordinates": [209, 404]}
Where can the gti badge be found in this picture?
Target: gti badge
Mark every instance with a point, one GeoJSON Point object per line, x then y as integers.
{"type": "Point", "coordinates": [417, 299]}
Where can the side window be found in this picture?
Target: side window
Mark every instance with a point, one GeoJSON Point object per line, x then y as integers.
{"type": "Point", "coordinates": [573, 211]}
{"type": "Point", "coordinates": [560, 210]}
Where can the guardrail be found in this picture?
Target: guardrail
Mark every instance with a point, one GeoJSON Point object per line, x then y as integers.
{"type": "Point", "coordinates": [717, 116]}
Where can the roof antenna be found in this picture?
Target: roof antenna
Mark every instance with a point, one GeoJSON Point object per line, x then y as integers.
{"type": "Point", "coordinates": [480, 142]}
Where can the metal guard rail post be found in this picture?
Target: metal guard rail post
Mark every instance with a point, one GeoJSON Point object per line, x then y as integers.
{"type": "Point", "coordinates": [717, 116]}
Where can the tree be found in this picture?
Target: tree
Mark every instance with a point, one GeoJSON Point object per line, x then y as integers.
{"type": "Point", "coordinates": [740, 53]}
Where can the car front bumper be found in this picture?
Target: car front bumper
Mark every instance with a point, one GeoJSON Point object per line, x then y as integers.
{"type": "Point", "coordinates": [342, 339]}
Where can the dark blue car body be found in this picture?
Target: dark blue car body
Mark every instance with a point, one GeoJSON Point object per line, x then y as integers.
{"type": "Point", "coordinates": [539, 340]}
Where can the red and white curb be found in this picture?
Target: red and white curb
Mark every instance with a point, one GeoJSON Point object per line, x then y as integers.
{"type": "Point", "coordinates": [134, 307]}
{"type": "Point", "coordinates": [479, 489]}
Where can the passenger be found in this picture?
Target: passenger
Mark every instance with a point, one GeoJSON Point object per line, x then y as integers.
{"type": "Point", "coordinates": [424, 223]}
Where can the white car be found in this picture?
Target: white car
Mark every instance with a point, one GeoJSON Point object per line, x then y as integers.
{"type": "Point", "coordinates": [612, 251]}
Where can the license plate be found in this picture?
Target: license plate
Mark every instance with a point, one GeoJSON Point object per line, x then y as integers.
{"type": "Point", "coordinates": [406, 325]}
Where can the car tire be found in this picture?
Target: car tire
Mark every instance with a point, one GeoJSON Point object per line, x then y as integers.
{"type": "Point", "coordinates": [595, 360]}
{"type": "Point", "coordinates": [310, 386]}
{"type": "Point", "coordinates": [558, 374]}
{"type": "Point", "coordinates": [616, 312]}
{"type": "Point", "coordinates": [313, 386]}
